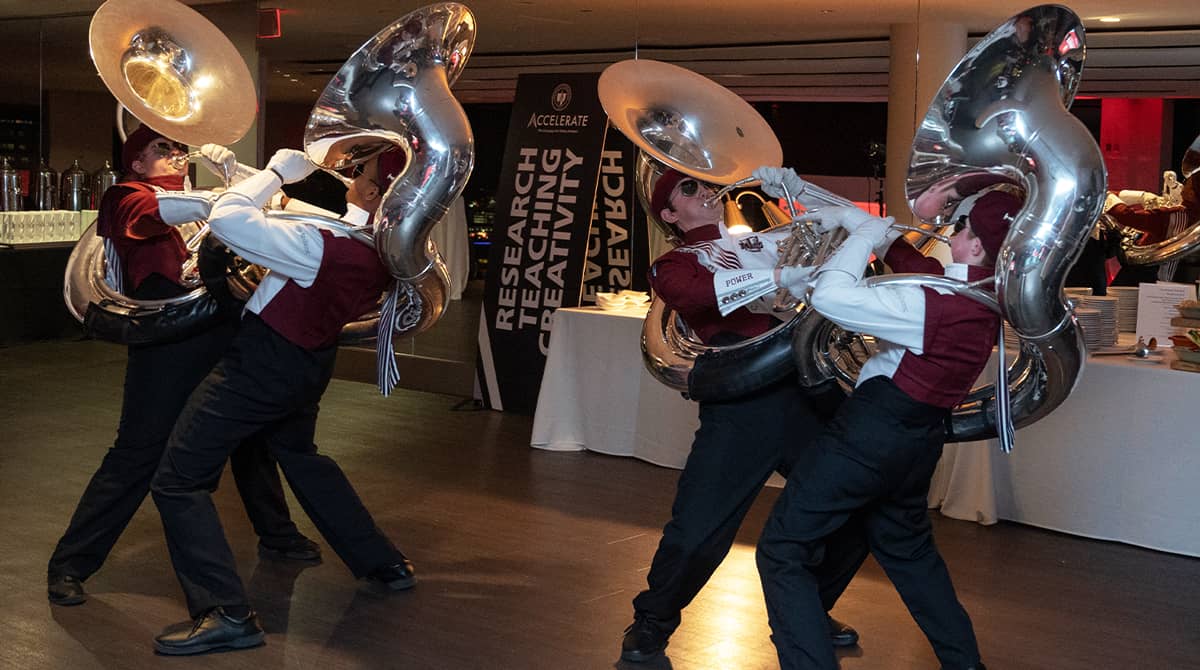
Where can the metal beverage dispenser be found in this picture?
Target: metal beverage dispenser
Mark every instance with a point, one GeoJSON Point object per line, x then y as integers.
{"type": "Point", "coordinates": [45, 187]}
{"type": "Point", "coordinates": [76, 187]}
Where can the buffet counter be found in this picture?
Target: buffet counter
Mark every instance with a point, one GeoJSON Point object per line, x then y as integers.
{"type": "Point", "coordinates": [1118, 460]}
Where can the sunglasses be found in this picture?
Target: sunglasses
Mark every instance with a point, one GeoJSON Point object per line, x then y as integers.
{"type": "Point", "coordinates": [690, 187]}
{"type": "Point", "coordinates": [960, 224]}
{"type": "Point", "coordinates": [356, 171]}
{"type": "Point", "coordinates": [164, 148]}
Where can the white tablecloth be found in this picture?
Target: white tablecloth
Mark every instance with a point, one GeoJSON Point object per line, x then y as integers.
{"type": "Point", "coordinates": [597, 395]}
{"type": "Point", "coordinates": [450, 236]}
{"type": "Point", "coordinates": [1118, 460]}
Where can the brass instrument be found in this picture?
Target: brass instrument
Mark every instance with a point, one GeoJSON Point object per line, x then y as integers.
{"type": "Point", "coordinates": [394, 91]}
{"type": "Point", "coordinates": [1181, 243]}
{"type": "Point", "coordinates": [682, 120]}
{"type": "Point", "coordinates": [177, 72]}
{"type": "Point", "coordinates": [1000, 121]}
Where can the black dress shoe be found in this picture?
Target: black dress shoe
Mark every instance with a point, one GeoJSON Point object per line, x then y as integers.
{"type": "Point", "coordinates": [397, 577]}
{"type": "Point", "coordinates": [65, 590]}
{"type": "Point", "coordinates": [212, 631]}
{"type": "Point", "coordinates": [841, 635]}
{"type": "Point", "coordinates": [297, 548]}
{"type": "Point", "coordinates": [644, 640]}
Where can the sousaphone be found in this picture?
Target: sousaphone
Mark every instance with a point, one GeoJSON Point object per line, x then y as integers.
{"type": "Point", "coordinates": [679, 119]}
{"type": "Point", "coordinates": [1000, 120]}
{"type": "Point", "coordinates": [394, 92]}
{"type": "Point", "coordinates": [176, 72]}
{"type": "Point", "coordinates": [1178, 245]}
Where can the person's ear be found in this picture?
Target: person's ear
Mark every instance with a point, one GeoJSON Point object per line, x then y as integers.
{"type": "Point", "coordinates": [668, 215]}
{"type": "Point", "coordinates": [138, 167]}
{"type": "Point", "coordinates": [372, 191]}
{"type": "Point", "coordinates": [976, 248]}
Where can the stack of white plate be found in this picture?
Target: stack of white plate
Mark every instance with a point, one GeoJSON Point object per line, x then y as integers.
{"type": "Point", "coordinates": [1089, 325]}
{"type": "Point", "coordinates": [1100, 323]}
{"type": "Point", "coordinates": [1127, 301]}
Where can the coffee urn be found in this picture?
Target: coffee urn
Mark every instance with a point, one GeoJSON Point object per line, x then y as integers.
{"type": "Point", "coordinates": [105, 177]}
{"type": "Point", "coordinates": [75, 187]}
{"type": "Point", "coordinates": [45, 187]}
{"type": "Point", "coordinates": [10, 188]}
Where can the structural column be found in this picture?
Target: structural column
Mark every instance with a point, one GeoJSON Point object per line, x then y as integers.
{"type": "Point", "coordinates": [239, 22]}
{"type": "Point", "coordinates": [921, 56]}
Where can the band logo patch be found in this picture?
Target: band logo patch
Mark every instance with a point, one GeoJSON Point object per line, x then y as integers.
{"type": "Point", "coordinates": [752, 243]}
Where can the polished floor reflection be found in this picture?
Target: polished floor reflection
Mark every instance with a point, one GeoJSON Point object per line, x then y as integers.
{"type": "Point", "coordinates": [526, 559]}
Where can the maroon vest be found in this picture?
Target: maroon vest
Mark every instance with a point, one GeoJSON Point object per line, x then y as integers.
{"type": "Point", "coordinates": [348, 284]}
{"type": "Point", "coordinates": [959, 335]}
{"type": "Point", "coordinates": [145, 245]}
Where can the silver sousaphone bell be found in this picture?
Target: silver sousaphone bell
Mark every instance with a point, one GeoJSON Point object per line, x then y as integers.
{"type": "Point", "coordinates": [1000, 120]}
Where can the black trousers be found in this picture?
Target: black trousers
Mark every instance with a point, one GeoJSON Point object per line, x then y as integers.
{"type": "Point", "coordinates": [737, 447]}
{"type": "Point", "coordinates": [158, 380]}
{"type": "Point", "coordinates": [267, 386]}
{"type": "Point", "coordinates": [874, 461]}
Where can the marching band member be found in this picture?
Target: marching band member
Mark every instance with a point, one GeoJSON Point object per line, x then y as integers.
{"type": "Point", "coordinates": [874, 461]}
{"type": "Point", "coordinates": [712, 281]}
{"type": "Point", "coordinates": [145, 259]}
{"type": "Point", "coordinates": [270, 382]}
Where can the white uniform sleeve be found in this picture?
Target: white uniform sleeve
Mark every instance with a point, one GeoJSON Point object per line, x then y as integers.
{"type": "Point", "coordinates": [740, 287]}
{"type": "Point", "coordinates": [289, 249]}
{"type": "Point", "coordinates": [892, 313]}
{"type": "Point", "coordinates": [176, 208]}
{"type": "Point", "coordinates": [736, 288]}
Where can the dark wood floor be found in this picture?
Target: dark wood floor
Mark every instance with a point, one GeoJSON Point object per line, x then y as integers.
{"type": "Point", "coordinates": [527, 559]}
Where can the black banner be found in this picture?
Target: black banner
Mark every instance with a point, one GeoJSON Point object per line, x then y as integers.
{"type": "Point", "coordinates": [540, 235]}
{"type": "Point", "coordinates": [618, 252]}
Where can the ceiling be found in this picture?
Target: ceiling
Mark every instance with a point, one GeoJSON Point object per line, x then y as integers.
{"type": "Point", "coordinates": [762, 49]}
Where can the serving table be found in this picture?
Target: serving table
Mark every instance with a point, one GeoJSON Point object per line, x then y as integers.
{"type": "Point", "coordinates": [1118, 460]}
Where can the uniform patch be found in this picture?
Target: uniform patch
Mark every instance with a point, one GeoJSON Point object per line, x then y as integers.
{"type": "Point", "coordinates": [751, 243]}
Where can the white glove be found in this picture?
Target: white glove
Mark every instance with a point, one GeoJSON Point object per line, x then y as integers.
{"type": "Point", "coordinates": [290, 165]}
{"type": "Point", "coordinates": [848, 217]}
{"type": "Point", "coordinates": [875, 230]}
{"type": "Point", "coordinates": [219, 160]}
{"type": "Point", "coordinates": [796, 278]}
{"type": "Point", "coordinates": [774, 180]}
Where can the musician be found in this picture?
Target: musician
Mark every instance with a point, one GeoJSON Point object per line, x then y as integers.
{"type": "Point", "coordinates": [877, 456]}
{"type": "Point", "coordinates": [271, 381]}
{"type": "Point", "coordinates": [148, 256]}
{"type": "Point", "coordinates": [740, 442]}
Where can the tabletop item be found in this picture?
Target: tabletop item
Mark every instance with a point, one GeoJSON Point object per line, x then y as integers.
{"type": "Point", "coordinates": [104, 177]}
{"type": "Point", "coordinates": [622, 300]}
{"type": "Point", "coordinates": [76, 187]}
{"type": "Point", "coordinates": [45, 188]}
{"type": "Point", "coordinates": [10, 188]}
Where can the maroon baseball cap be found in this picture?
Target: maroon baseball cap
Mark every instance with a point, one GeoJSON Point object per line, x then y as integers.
{"type": "Point", "coordinates": [135, 143]}
{"type": "Point", "coordinates": [662, 190]}
{"type": "Point", "coordinates": [991, 217]}
{"type": "Point", "coordinates": [391, 164]}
